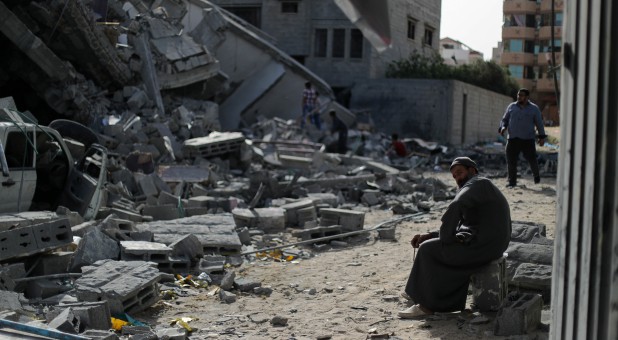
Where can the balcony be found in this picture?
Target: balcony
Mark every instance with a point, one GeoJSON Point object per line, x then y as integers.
{"type": "Point", "coordinates": [510, 58]}
{"type": "Point", "coordinates": [526, 83]}
{"type": "Point", "coordinates": [519, 6]}
{"type": "Point", "coordinates": [546, 6]}
{"type": "Point", "coordinates": [545, 32]}
{"type": "Point", "coordinates": [543, 58]}
{"type": "Point", "coordinates": [518, 33]}
{"type": "Point", "coordinates": [545, 85]}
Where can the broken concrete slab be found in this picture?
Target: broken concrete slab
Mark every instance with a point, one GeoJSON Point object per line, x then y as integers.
{"type": "Point", "coordinates": [94, 246]}
{"type": "Point", "coordinates": [128, 287]}
{"type": "Point", "coordinates": [216, 233]}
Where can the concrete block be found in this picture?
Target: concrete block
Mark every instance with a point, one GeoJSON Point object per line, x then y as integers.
{"type": "Point", "coordinates": [187, 246]}
{"type": "Point", "coordinates": [146, 184]}
{"type": "Point", "coordinates": [521, 316]}
{"type": "Point", "coordinates": [163, 212]}
{"type": "Point", "coordinates": [94, 246]}
{"type": "Point", "coordinates": [172, 333]}
{"type": "Point", "coordinates": [66, 322]}
{"type": "Point", "coordinates": [318, 232]}
{"type": "Point", "coordinates": [305, 215]}
{"type": "Point", "coordinates": [211, 264]}
{"type": "Point", "coordinates": [17, 242]}
{"type": "Point", "coordinates": [245, 284]}
{"type": "Point", "coordinates": [128, 287]}
{"type": "Point", "coordinates": [489, 286]}
{"type": "Point", "coordinates": [10, 272]}
{"type": "Point", "coordinates": [227, 282]}
{"type": "Point", "coordinates": [371, 197]}
{"type": "Point", "coordinates": [92, 315]}
{"type": "Point", "coordinates": [387, 233]}
{"type": "Point", "coordinates": [168, 198]}
{"type": "Point", "coordinates": [226, 296]}
{"type": "Point", "coordinates": [144, 251]}
{"type": "Point", "coordinates": [349, 220]}
{"type": "Point", "coordinates": [270, 220]}
{"type": "Point", "coordinates": [11, 300]}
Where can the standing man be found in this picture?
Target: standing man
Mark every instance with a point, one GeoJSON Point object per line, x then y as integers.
{"type": "Point", "coordinates": [342, 130]}
{"type": "Point", "coordinates": [519, 119]}
{"type": "Point", "coordinates": [308, 103]}
{"type": "Point", "coordinates": [475, 230]}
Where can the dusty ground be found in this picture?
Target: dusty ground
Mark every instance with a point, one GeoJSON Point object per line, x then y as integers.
{"type": "Point", "coordinates": [345, 293]}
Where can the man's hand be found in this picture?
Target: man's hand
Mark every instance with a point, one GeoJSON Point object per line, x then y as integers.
{"type": "Point", "coordinates": [501, 130]}
{"type": "Point", "coordinates": [419, 238]}
{"type": "Point", "coordinates": [541, 141]}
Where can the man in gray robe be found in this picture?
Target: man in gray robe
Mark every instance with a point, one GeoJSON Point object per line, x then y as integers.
{"type": "Point", "coordinates": [475, 230]}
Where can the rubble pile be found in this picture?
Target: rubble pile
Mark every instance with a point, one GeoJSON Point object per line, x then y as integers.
{"type": "Point", "coordinates": [183, 201]}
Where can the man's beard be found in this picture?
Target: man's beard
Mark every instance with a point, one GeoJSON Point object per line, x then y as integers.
{"type": "Point", "coordinates": [461, 182]}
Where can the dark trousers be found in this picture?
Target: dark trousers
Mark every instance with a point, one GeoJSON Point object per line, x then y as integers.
{"type": "Point", "coordinates": [513, 148]}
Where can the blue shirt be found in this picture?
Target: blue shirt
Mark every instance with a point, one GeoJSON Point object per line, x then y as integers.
{"type": "Point", "coordinates": [520, 121]}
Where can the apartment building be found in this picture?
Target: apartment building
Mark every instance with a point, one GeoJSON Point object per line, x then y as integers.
{"type": "Point", "coordinates": [454, 52]}
{"type": "Point", "coordinates": [527, 46]}
{"type": "Point", "coordinates": [317, 34]}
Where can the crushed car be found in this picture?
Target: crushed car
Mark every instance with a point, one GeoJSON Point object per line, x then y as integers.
{"type": "Point", "coordinates": [39, 171]}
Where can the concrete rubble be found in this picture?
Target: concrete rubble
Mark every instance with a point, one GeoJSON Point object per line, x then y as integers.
{"type": "Point", "coordinates": [184, 197]}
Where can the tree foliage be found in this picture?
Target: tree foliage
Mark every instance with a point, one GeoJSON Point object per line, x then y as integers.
{"type": "Point", "coordinates": [485, 74]}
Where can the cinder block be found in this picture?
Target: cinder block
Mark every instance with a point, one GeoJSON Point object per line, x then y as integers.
{"type": "Point", "coordinates": [66, 322]}
{"type": "Point", "coordinates": [318, 232]}
{"type": "Point", "coordinates": [17, 242]}
{"type": "Point", "coordinates": [489, 286]}
{"type": "Point", "coordinates": [144, 251]}
{"type": "Point", "coordinates": [520, 316]}
{"type": "Point", "coordinates": [93, 315]}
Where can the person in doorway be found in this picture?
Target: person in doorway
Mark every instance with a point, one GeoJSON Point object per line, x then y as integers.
{"type": "Point", "coordinates": [475, 230]}
{"type": "Point", "coordinates": [342, 130]}
{"type": "Point", "coordinates": [397, 149]}
{"type": "Point", "coordinates": [520, 119]}
{"type": "Point", "coordinates": [308, 103]}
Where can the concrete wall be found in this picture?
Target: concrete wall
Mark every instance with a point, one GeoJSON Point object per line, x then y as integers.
{"type": "Point", "coordinates": [430, 109]}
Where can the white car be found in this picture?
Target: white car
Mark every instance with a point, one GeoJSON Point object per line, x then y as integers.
{"type": "Point", "coordinates": [39, 172]}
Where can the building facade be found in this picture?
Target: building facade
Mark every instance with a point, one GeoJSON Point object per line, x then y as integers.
{"type": "Point", "coordinates": [527, 49]}
{"type": "Point", "coordinates": [319, 35]}
{"type": "Point", "coordinates": [454, 52]}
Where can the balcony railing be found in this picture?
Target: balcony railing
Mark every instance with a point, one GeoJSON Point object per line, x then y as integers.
{"type": "Point", "coordinates": [545, 85]}
{"type": "Point", "coordinates": [545, 32]}
{"type": "Point", "coordinates": [519, 6]}
{"type": "Point", "coordinates": [546, 6]}
{"type": "Point", "coordinates": [511, 58]}
{"type": "Point", "coordinates": [518, 33]}
{"type": "Point", "coordinates": [544, 58]}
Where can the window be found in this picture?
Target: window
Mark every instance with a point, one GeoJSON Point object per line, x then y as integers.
{"type": "Point", "coordinates": [251, 15]}
{"type": "Point", "coordinates": [356, 44]}
{"type": "Point", "coordinates": [514, 45]}
{"type": "Point", "coordinates": [546, 19]}
{"type": "Point", "coordinates": [411, 28]}
{"type": "Point", "coordinates": [289, 7]}
{"type": "Point", "coordinates": [546, 45]}
{"type": "Point", "coordinates": [320, 43]}
{"type": "Point", "coordinates": [517, 71]}
{"type": "Point", "coordinates": [338, 43]}
{"type": "Point", "coordinates": [19, 151]}
{"type": "Point", "coordinates": [428, 39]}
{"type": "Point", "coordinates": [519, 20]}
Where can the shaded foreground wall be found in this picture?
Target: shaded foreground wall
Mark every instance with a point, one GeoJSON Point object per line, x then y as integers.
{"type": "Point", "coordinates": [445, 111]}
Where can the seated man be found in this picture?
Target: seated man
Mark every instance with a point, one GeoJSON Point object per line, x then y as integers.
{"type": "Point", "coordinates": [475, 230]}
